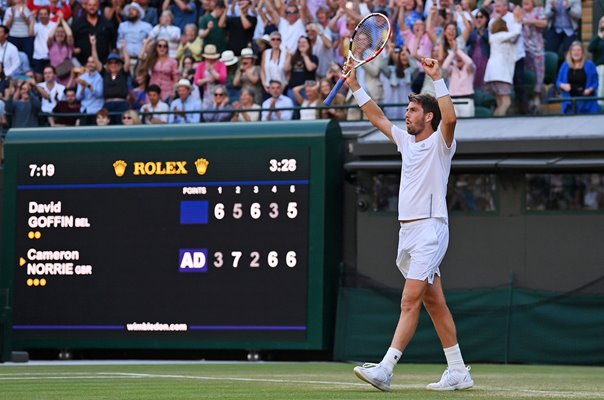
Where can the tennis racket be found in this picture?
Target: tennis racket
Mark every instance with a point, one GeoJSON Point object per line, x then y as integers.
{"type": "Point", "coordinates": [367, 42]}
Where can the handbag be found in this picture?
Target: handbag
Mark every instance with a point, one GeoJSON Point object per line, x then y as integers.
{"type": "Point", "coordinates": [64, 69]}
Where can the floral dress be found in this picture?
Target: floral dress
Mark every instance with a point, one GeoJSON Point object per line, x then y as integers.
{"type": "Point", "coordinates": [535, 47]}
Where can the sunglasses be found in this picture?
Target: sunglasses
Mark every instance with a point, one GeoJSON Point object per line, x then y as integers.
{"type": "Point", "coordinates": [218, 94]}
{"type": "Point", "coordinates": [162, 45]}
{"type": "Point", "coordinates": [480, 16]}
{"type": "Point", "coordinates": [126, 117]}
{"type": "Point", "coordinates": [291, 12]}
{"type": "Point", "coordinates": [275, 39]}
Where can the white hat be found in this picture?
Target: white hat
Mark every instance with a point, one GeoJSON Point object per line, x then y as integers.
{"type": "Point", "coordinates": [209, 51]}
{"type": "Point", "coordinates": [228, 57]}
{"type": "Point", "coordinates": [183, 82]}
{"type": "Point", "coordinates": [141, 12]}
{"type": "Point", "coordinates": [248, 53]}
{"type": "Point", "coordinates": [265, 38]}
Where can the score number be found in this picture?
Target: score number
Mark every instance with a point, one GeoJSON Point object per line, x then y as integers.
{"type": "Point", "coordinates": [255, 210]}
{"type": "Point", "coordinates": [255, 259]}
{"type": "Point", "coordinates": [41, 170]}
{"type": "Point", "coordinates": [283, 165]}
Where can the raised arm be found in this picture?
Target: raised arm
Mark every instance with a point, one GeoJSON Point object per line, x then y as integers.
{"type": "Point", "coordinates": [447, 111]}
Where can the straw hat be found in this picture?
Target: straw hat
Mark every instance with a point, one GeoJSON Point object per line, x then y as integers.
{"type": "Point", "coordinates": [248, 53]}
{"type": "Point", "coordinates": [209, 51]}
{"type": "Point", "coordinates": [228, 57]}
{"type": "Point", "coordinates": [183, 82]}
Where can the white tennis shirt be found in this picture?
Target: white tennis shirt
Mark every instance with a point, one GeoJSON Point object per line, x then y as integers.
{"type": "Point", "coordinates": [424, 175]}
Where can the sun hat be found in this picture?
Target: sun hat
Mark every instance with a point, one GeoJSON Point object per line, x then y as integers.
{"type": "Point", "coordinates": [228, 57]}
{"type": "Point", "coordinates": [248, 53]}
{"type": "Point", "coordinates": [141, 11]}
{"type": "Point", "coordinates": [265, 38]}
{"type": "Point", "coordinates": [183, 82]}
{"type": "Point", "coordinates": [209, 51]}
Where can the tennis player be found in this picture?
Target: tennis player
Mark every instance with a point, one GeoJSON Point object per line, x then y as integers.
{"type": "Point", "coordinates": [426, 149]}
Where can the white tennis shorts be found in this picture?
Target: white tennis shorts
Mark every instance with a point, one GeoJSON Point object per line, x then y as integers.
{"type": "Point", "coordinates": [421, 248]}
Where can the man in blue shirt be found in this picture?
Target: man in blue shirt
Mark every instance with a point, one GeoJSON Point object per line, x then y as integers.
{"type": "Point", "coordinates": [184, 102]}
{"type": "Point", "coordinates": [90, 88]}
{"type": "Point", "coordinates": [133, 30]}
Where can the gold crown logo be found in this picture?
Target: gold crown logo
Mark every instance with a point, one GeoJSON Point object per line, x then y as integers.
{"type": "Point", "coordinates": [202, 165]}
{"type": "Point", "coordinates": [120, 167]}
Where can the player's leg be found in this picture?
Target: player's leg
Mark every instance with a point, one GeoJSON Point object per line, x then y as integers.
{"type": "Point", "coordinates": [457, 376]}
{"type": "Point", "coordinates": [380, 375]}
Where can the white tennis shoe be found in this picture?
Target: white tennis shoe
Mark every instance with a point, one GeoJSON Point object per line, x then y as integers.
{"type": "Point", "coordinates": [374, 374]}
{"type": "Point", "coordinates": [453, 380]}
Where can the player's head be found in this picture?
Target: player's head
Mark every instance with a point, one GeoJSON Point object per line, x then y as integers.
{"type": "Point", "coordinates": [422, 109]}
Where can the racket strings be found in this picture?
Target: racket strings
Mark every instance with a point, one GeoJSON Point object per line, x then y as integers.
{"type": "Point", "coordinates": [371, 35]}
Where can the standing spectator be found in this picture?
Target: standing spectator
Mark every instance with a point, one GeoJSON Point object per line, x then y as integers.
{"type": "Point", "coordinates": [275, 102]}
{"type": "Point", "coordinates": [596, 48]}
{"type": "Point", "coordinates": [301, 66]}
{"type": "Point", "coordinates": [70, 105]}
{"type": "Point", "coordinates": [168, 31]}
{"type": "Point", "coordinates": [133, 31]}
{"type": "Point", "coordinates": [24, 105]}
{"type": "Point", "coordinates": [90, 88]}
{"type": "Point", "coordinates": [92, 24]}
{"type": "Point", "coordinates": [131, 117]}
{"type": "Point", "coordinates": [240, 25]}
{"type": "Point", "coordinates": [150, 13]}
{"type": "Point", "coordinates": [290, 25]}
{"type": "Point", "coordinates": [230, 60]}
{"type": "Point", "coordinates": [533, 23]}
{"type": "Point", "coordinates": [41, 30]}
{"type": "Point", "coordinates": [212, 27]}
{"type": "Point", "coordinates": [190, 44]}
{"type": "Point", "coordinates": [219, 103]}
{"type": "Point", "coordinates": [401, 78]}
{"type": "Point", "coordinates": [17, 19]}
{"type": "Point", "coordinates": [60, 50]}
{"type": "Point", "coordinates": [499, 74]}
{"type": "Point", "coordinates": [154, 105]}
{"type": "Point", "coordinates": [115, 82]}
{"type": "Point", "coordinates": [460, 69]}
{"type": "Point", "coordinates": [162, 69]}
{"type": "Point", "coordinates": [184, 102]}
{"type": "Point", "coordinates": [248, 75]}
{"type": "Point", "coordinates": [184, 11]}
{"type": "Point", "coordinates": [9, 53]}
{"type": "Point", "coordinates": [578, 77]}
{"type": "Point", "coordinates": [210, 72]}
{"type": "Point", "coordinates": [273, 63]}
{"type": "Point", "coordinates": [57, 9]}
{"type": "Point", "coordinates": [339, 114]}
{"type": "Point", "coordinates": [114, 12]}
{"type": "Point", "coordinates": [311, 99]}
{"type": "Point", "coordinates": [321, 44]}
{"type": "Point", "coordinates": [246, 102]}
{"type": "Point", "coordinates": [478, 46]}
{"type": "Point", "coordinates": [419, 42]}
{"type": "Point", "coordinates": [50, 90]}
{"type": "Point", "coordinates": [563, 18]}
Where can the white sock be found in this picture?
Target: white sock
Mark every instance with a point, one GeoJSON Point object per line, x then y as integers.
{"type": "Point", "coordinates": [454, 359]}
{"type": "Point", "coordinates": [391, 358]}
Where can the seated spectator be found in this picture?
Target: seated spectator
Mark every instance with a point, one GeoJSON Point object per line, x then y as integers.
{"type": "Point", "coordinates": [187, 68]}
{"type": "Point", "coordinates": [460, 69]}
{"type": "Point", "coordinates": [596, 48]}
{"type": "Point", "coordinates": [248, 74]}
{"type": "Point", "coordinates": [246, 102]}
{"type": "Point", "coordinates": [275, 102]}
{"type": "Point", "coordinates": [311, 91]}
{"type": "Point", "coordinates": [68, 106]}
{"type": "Point", "coordinates": [404, 71]}
{"type": "Point", "coordinates": [162, 69]}
{"type": "Point", "coordinates": [102, 117]}
{"type": "Point", "coordinates": [184, 102]}
{"type": "Point", "coordinates": [219, 103]}
{"type": "Point", "coordinates": [339, 114]}
{"type": "Point", "coordinates": [168, 31]}
{"type": "Point", "coordinates": [154, 105]}
{"type": "Point", "coordinates": [89, 88]}
{"type": "Point", "coordinates": [130, 117]}
{"type": "Point", "coordinates": [499, 74]}
{"type": "Point", "coordinates": [60, 50]}
{"type": "Point", "coordinates": [138, 94]}
{"type": "Point", "coordinates": [190, 44]}
{"type": "Point", "coordinates": [24, 104]}
{"type": "Point", "coordinates": [210, 72]}
{"type": "Point", "coordinates": [50, 90]}
{"type": "Point", "coordinates": [578, 77]}
{"type": "Point", "coordinates": [10, 54]}
{"type": "Point", "coordinates": [230, 60]}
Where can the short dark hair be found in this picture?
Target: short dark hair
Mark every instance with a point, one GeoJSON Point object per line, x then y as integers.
{"type": "Point", "coordinates": [275, 81]}
{"type": "Point", "coordinates": [70, 89]}
{"type": "Point", "coordinates": [54, 70]}
{"type": "Point", "coordinates": [5, 28]}
{"type": "Point", "coordinates": [429, 104]}
{"type": "Point", "coordinates": [154, 88]}
{"type": "Point", "coordinates": [220, 4]}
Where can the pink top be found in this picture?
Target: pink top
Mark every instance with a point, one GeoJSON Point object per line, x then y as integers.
{"type": "Point", "coordinates": [165, 74]}
{"type": "Point", "coordinates": [57, 53]}
{"type": "Point", "coordinates": [461, 80]}
{"type": "Point", "coordinates": [219, 67]}
{"type": "Point", "coordinates": [425, 44]}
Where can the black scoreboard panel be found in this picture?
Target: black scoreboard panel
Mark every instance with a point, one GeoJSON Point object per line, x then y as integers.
{"type": "Point", "coordinates": [191, 243]}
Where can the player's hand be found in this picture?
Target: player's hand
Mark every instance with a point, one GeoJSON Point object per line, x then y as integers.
{"type": "Point", "coordinates": [351, 81]}
{"type": "Point", "coordinates": [432, 68]}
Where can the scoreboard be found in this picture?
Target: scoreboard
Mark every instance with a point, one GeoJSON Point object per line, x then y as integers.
{"type": "Point", "coordinates": [206, 236]}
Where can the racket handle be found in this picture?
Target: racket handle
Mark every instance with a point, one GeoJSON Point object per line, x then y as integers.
{"type": "Point", "coordinates": [333, 92]}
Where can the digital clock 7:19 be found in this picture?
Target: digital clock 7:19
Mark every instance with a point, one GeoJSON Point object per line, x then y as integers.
{"type": "Point", "coordinates": [41, 170]}
{"type": "Point", "coordinates": [283, 165]}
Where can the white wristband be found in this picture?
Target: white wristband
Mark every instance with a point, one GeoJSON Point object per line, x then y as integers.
{"type": "Point", "coordinates": [361, 96]}
{"type": "Point", "coordinates": [440, 87]}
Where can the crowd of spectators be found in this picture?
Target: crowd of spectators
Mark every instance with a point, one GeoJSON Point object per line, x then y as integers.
{"type": "Point", "coordinates": [186, 61]}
